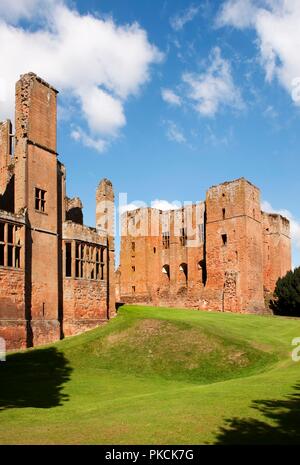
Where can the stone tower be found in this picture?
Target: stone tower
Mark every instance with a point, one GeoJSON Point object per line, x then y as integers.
{"type": "Point", "coordinates": [36, 193]}
{"type": "Point", "coordinates": [234, 247]}
{"type": "Point", "coordinates": [105, 221]}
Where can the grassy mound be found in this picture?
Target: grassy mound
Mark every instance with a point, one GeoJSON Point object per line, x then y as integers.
{"type": "Point", "coordinates": [174, 350]}
{"type": "Point", "coordinates": [155, 375]}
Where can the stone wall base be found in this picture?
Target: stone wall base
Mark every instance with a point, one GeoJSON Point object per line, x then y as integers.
{"type": "Point", "coordinates": [14, 333]}
{"type": "Point", "coordinates": [73, 327]}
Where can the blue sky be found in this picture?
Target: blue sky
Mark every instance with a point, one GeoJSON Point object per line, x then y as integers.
{"type": "Point", "coordinates": [209, 94]}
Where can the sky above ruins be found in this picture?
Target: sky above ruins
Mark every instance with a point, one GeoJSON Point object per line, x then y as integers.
{"type": "Point", "coordinates": [166, 97]}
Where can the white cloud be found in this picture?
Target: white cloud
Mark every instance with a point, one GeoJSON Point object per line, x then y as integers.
{"type": "Point", "coordinates": [97, 144]}
{"type": "Point", "coordinates": [276, 23]}
{"type": "Point", "coordinates": [174, 133]}
{"type": "Point", "coordinates": [213, 88]}
{"type": "Point", "coordinates": [94, 61]}
{"type": "Point", "coordinates": [165, 205]}
{"type": "Point", "coordinates": [15, 10]}
{"type": "Point", "coordinates": [131, 207]}
{"type": "Point", "coordinates": [237, 13]}
{"type": "Point", "coordinates": [169, 96]}
{"type": "Point", "coordinates": [181, 19]}
{"type": "Point", "coordinates": [295, 224]}
{"type": "Point", "coordinates": [104, 112]}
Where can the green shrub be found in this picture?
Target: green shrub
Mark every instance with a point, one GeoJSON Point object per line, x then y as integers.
{"type": "Point", "coordinates": [287, 294]}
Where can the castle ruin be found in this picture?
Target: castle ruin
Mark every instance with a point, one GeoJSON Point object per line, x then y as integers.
{"type": "Point", "coordinates": [223, 254]}
{"type": "Point", "coordinates": [56, 275]}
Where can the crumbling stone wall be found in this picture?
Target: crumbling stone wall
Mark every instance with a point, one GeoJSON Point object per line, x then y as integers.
{"type": "Point", "coordinates": [37, 300]}
{"type": "Point", "coordinates": [73, 209]}
{"type": "Point", "coordinates": [162, 256]}
{"type": "Point", "coordinates": [276, 249]}
{"type": "Point", "coordinates": [85, 298]}
{"type": "Point", "coordinates": [234, 254]}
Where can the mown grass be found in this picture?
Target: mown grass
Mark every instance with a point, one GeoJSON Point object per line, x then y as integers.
{"type": "Point", "coordinates": [155, 375]}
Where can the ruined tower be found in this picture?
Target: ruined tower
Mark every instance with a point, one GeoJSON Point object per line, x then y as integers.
{"type": "Point", "coordinates": [234, 249]}
{"type": "Point", "coordinates": [276, 248]}
{"type": "Point", "coordinates": [105, 222]}
{"type": "Point", "coordinates": [223, 254]}
{"type": "Point", "coordinates": [36, 193]}
{"type": "Point", "coordinates": [56, 274]}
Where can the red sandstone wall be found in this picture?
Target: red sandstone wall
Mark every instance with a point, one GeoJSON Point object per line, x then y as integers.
{"type": "Point", "coordinates": [277, 249]}
{"type": "Point", "coordinates": [12, 308]}
{"type": "Point", "coordinates": [142, 268]}
{"type": "Point", "coordinates": [5, 155]}
{"type": "Point", "coordinates": [42, 172]}
{"type": "Point", "coordinates": [234, 269]}
{"type": "Point", "coordinates": [85, 302]}
{"type": "Point", "coordinates": [85, 305]}
{"type": "Point", "coordinates": [105, 222]}
{"type": "Point", "coordinates": [49, 297]}
{"type": "Point", "coordinates": [36, 111]}
{"type": "Point", "coordinates": [36, 167]}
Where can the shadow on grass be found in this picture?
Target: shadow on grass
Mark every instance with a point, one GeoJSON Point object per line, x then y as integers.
{"type": "Point", "coordinates": [283, 414]}
{"type": "Point", "coordinates": [34, 379]}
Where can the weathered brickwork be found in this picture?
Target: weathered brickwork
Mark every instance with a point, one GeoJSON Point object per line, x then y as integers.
{"type": "Point", "coordinates": [54, 271]}
{"type": "Point", "coordinates": [223, 254]}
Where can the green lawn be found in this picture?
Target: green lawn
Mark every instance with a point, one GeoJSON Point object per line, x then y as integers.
{"type": "Point", "coordinates": [156, 375]}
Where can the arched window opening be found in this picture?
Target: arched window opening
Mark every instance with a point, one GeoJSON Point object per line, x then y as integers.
{"type": "Point", "coordinates": [202, 269]}
{"type": "Point", "coordinates": [184, 269]}
{"type": "Point", "coordinates": [166, 270]}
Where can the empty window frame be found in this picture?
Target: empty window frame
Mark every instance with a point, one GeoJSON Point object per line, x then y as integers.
{"type": "Point", "coordinates": [184, 269]}
{"type": "Point", "coordinates": [10, 245]}
{"type": "Point", "coordinates": [166, 271]}
{"type": "Point", "coordinates": [68, 259]}
{"type": "Point", "coordinates": [224, 239]}
{"type": "Point", "coordinates": [201, 233]}
{"type": "Point", "coordinates": [166, 240]}
{"type": "Point", "coordinates": [40, 200]}
{"type": "Point", "coordinates": [202, 268]}
{"type": "Point", "coordinates": [183, 237]}
{"type": "Point", "coordinates": [89, 261]}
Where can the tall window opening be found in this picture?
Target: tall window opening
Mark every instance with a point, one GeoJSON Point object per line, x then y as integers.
{"type": "Point", "coordinates": [89, 261]}
{"type": "Point", "coordinates": [166, 240]}
{"type": "Point", "coordinates": [183, 237]}
{"type": "Point", "coordinates": [201, 233]}
{"type": "Point", "coordinates": [40, 200]}
{"type": "Point", "coordinates": [184, 269]}
{"type": "Point", "coordinates": [68, 259]}
{"type": "Point", "coordinates": [202, 269]}
{"type": "Point", "coordinates": [224, 239]}
{"type": "Point", "coordinates": [166, 270]}
{"type": "Point", "coordinates": [10, 245]}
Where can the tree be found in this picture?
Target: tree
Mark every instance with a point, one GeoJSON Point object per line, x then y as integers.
{"type": "Point", "coordinates": [287, 294]}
